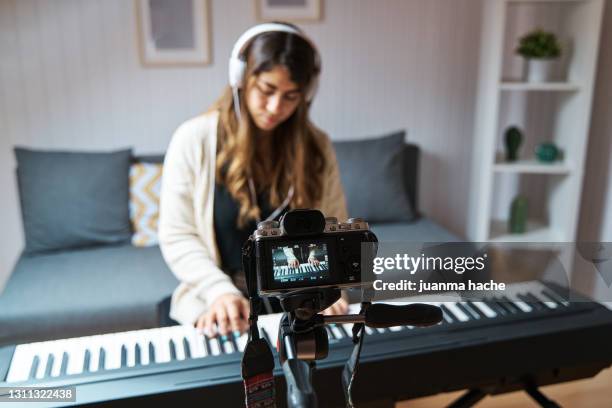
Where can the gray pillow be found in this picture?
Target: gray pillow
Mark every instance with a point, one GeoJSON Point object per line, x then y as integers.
{"type": "Point", "coordinates": [73, 199]}
{"type": "Point", "coordinates": [372, 175]}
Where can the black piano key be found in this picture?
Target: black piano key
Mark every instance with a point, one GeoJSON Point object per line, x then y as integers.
{"type": "Point", "coordinates": [186, 348]}
{"type": "Point", "coordinates": [64, 365]}
{"type": "Point", "coordinates": [551, 296]}
{"type": "Point", "coordinates": [137, 357]}
{"type": "Point", "coordinates": [496, 307]}
{"type": "Point", "coordinates": [34, 368]}
{"type": "Point", "coordinates": [343, 331]}
{"type": "Point", "coordinates": [510, 305]}
{"type": "Point", "coordinates": [451, 317]}
{"type": "Point", "coordinates": [124, 356]}
{"type": "Point", "coordinates": [476, 309]}
{"type": "Point", "coordinates": [206, 344]}
{"type": "Point", "coordinates": [217, 339]}
{"type": "Point", "coordinates": [101, 359]}
{"type": "Point", "coordinates": [172, 350]}
{"type": "Point", "coordinates": [330, 333]}
{"type": "Point", "coordinates": [232, 339]}
{"type": "Point", "coordinates": [536, 300]}
{"type": "Point", "coordinates": [534, 303]}
{"type": "Point", "coordinates": [504, 305]}
{"type": "Point", "coordinates": [49, 366]}
{"type": "Point", "coordinates": [469, 312]}
{"type": "Point", "coordinates": [86, 361]}
{"type": "Point", "coordinates": [151, 353]}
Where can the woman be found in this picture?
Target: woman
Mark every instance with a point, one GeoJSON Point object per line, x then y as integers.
{"type": "Point", "coordinates": [254, 155]}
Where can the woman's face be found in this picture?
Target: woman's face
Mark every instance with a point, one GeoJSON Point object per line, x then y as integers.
{"type": "Point", "coordinates": [271, 97]}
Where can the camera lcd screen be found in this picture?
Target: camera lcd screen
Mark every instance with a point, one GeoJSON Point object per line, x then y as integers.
{"type": "Point", "coordinates": [304, 262]}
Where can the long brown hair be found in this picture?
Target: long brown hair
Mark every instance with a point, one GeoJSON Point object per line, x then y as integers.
{"type": "Point", "coordinates": [297, 155]}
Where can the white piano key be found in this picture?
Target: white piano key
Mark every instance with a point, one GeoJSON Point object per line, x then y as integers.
{"type": "Point", "coordinates": [395, 328]}
{"type": "Point", "coordinates": [214, 347]}
{"type": "Point", "coordinates": [195, 347]}
{"type": "Point", "coordinates": [227, 345]}
{"type": "Point", "coordinates": [545, 300]}
{"type": "Point", "coordinates": [337, 332]}
{"type": "Point", "coordinates": [348, 328]}
{"type": "Point", "coordinates": [21, 363]}
{"type": "Point", "coordinates": [241, 341]}
{"type": "Point", "coordinates": [524, 306]}
{"type": "Point", "coordinates": [484, 308]}
{"type": "Point", "coordinates": [161, 345]}
{"type": "Point", "coordinates": [142, 339]}
{"type": "Point", "coordinates": [112, 349]}
{"type": "Point", "coordinates": [178, 336]}
{"type": "Point", "coordinates": [130, 341]}
{"type": "Point", "coordinates": [94, 357]}
{"type": "Point", "coordinates": [369, 330]}
{"type": "Point", "coordinates": [77, 355]}
{"type": "Point", "coordinates": [457, 312]}
{"type": "Point", "coordinates": [58, 351]}
{"type": "Point", "coordinates": [200, 339]}
{"type": "Point", "coordinates": [42, 365]}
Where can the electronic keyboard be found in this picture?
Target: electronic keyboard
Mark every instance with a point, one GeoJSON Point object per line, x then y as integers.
{"type": "Point", "coordinates": [285, 271]}
{"type": "Point", "coordinates": [529, 336]}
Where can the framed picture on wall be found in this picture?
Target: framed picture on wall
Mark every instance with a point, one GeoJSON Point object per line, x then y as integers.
{"type": "Point", "coordinates": [288, 10]}
{"type": "Point", "coordinates": [173, 32]}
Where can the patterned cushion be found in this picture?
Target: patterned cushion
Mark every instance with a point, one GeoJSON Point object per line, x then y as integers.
{"type": "Point", "coordinates": [145, 183]}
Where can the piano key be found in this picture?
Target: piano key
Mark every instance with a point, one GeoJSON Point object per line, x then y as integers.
{"type": "Point", "coordinates": [241, 341]}
{"type": "Point", "coordinates": [57, 359]}
{"type": "Point", "coordinates": [34, 367]}
{"type": "Point", "coordinates": [94, 363]}
{"type": "Point", "coordinates": [77, 355]}
{"type": "Point", "coordinates": [101, 358]}
{"type": "Point", "coordinates": [523, 306]}
{"type": "Point", "coordinates": [225, 344]}
{"type": "Point", "coordinates": [161, 345]}
{"type": "Point", "coordinates": [552, 295]}
{"type": "Point", "coordinates": [137, 355]}
{"type": "Point", "coordinates": [42, 365]}
{"type": "Point", "coordinates": [112, 350]}
{"type": "Point", "coordinates": [496, 307]}
{"type": "Point", "coordinates": [215, 346]}
{"type": "Point", "coordinates": [476, 309]}
{"type": "Point", "coordinates": [369, 330]}
{"type": "Point", "coordinates": [533, 302]}
{"type": "Point", "coordinates": [330, 335]}
{"type": "Point", "coordinates": [22, 361]}
{"type": "Point", "coordinates": [206, 344]}
{"type": "Point", "coordinates": [86, 358]}
{"type": "Point", "coordinates": [152, 356]}
{"type": "Point", "coordinates": [452, 306]}
{"type": "Point", "coordinates": [64, 364]}
{"type": "Point", "coordinates": [396, 328]}
{"type": "Point", "coordinates": [177, 335]}
{"type": "Point", "coordinates": [49, 368]}
{"type": "Point", "coordinates": [510, 304]}
{"type": "Point", "coordinates": [338, 332]}
{"type": "Point", "coordinates": [503, 305]}
{"type": "Point", "coordinates": [124, 356]}
{"type": "Point", "coordinates": [545, 300]}
{"type": "Point", "coordinates": [447, 314]}
{"type": "Point", "coordinates": [484, 308]}
{"type": "Point", "coordinates": [172, 348]}
{"type": "Point", "coordinates": [347, 329]}
{"type": "Point", "coordinates": [468, 311]}
{"type": "Point", "coordinates": [186, 348]}
{"type": "Point", "coordinates": [143, 348]}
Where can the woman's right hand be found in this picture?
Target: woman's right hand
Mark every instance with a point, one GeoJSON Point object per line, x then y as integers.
{"type": "Point", "coordinates": [293, 263]}
{"type": "Point", "coordinates": [228, 313]}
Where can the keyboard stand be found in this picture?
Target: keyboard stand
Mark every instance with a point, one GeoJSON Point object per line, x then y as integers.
{"type": "Point", "coordinates": [472, 397]}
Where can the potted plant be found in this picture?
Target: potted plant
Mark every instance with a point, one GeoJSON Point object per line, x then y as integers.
{"type": "Point", "coordinates": [540, 49]}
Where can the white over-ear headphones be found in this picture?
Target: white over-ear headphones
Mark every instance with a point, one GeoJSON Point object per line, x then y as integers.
{"type": "Point", "coordinates": [238, 63]}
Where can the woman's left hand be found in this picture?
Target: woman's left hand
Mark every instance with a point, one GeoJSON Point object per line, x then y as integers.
{"type": "Point", "coordinates": [340, 307]}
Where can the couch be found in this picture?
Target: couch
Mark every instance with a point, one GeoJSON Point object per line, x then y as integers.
{"type": "Point", "coordinates": [112, 288]}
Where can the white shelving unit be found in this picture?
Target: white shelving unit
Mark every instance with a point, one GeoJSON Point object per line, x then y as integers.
{"type": "Point", "coordinates": [556, 111]}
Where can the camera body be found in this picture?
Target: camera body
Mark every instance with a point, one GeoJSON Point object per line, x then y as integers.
{"type": "Point", "coordinates": [308, 251]}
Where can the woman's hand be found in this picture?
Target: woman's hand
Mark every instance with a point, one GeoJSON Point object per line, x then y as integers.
{"type": "Point", "coordinates": [227, 313]}
{"type": "Point", "coordinates": [293, 263]}
{"type": "Point", "coordinates": [313, 261]}
{"type": "Point", "coordinates": [340, 307]}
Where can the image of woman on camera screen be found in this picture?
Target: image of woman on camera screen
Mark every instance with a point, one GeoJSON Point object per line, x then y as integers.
{"type": "Point", "coordinates": [253, 156]}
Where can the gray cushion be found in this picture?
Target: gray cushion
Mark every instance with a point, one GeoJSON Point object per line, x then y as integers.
{"type": "Point", "coordinates": [372, 173]}
{"type": "Point", "coordinates": [82, 292]}
{"type": "Point", "coordinates": [73, 199]}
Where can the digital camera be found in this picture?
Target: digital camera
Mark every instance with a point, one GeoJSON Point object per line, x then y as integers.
{"type": "Point", "coordinates": [305, 250]}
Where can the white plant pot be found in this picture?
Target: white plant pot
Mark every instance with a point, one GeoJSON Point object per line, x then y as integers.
{"type": "Point", "coordinates": [540, 70]}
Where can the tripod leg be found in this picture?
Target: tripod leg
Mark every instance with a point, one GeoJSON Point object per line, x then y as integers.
{"type": "Point", "coordinates": [540, 398]}
{"type": "Point", "coordinates": [469, 399]}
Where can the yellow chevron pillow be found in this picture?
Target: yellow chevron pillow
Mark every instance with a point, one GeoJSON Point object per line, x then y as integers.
{"type": "Point", "coordinates": [145, 184]}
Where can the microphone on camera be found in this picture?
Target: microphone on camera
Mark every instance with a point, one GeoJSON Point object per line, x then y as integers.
{"type": "Point", "coordinates": [380, 315]}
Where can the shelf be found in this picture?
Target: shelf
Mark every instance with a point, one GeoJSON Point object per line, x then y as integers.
{"type": "Point", "coordinates": [536, 86]}
{"type": "Point", "coordinates": [532, 167]}
{"type": "Point", "coordinates": [537, 232]}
